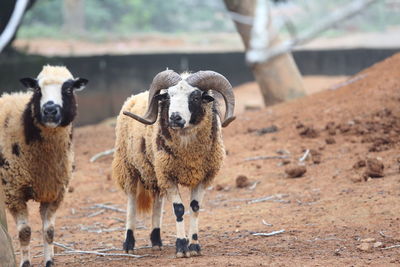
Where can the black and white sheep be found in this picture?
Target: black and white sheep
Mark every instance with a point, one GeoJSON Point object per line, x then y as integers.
{"type": "Point", "coordinates": [177, 142]}
{"type": "Point", "coordinates": [35, 150]}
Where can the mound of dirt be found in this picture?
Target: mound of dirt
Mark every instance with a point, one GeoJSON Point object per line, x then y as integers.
{"type": "Point", "coordinates": [325, 213]}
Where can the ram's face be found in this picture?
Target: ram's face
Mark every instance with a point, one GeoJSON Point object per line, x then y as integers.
{"type": "Point", "coordinates": [54, 102]}
{"type": "Point", "coordinates": [185, 105]}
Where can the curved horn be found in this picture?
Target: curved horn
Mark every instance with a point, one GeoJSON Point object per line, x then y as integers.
{"type": "Point", "coordinates": [206, 80]}
{"type": "Point", "coordinates": [163, 80]}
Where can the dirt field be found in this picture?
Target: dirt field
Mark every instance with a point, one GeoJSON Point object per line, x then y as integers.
{"type": "Point", "coordinates": [327, 214]}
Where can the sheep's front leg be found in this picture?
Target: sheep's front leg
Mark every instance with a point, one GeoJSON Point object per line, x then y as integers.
{"type": "Point", "coordinates": [47, 213]}
{"type": "Point", "coordinates": [197, 195]}
{"type": "Point", "coordinates": [156, 221]}
{"type": "Point", "coordinates": [129, 243]}
{"type": "Point", "coordinates": [179, 210]}
{"type": "Point", "coordinates": [20, 214]}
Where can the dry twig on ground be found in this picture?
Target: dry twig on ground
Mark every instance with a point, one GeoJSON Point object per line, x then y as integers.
{"type": "Point", "coordinates": [394, 246]}
{"type": "Point", "coordinates": [305, 155]}
{"type": "Point", "coordinates": [269, 234]}
{"type": "Point", "coordinates": [107, 207]}
{"type": "Point", "coordinates": [105, 254]}
{"type": "Point", "coordinates": [265, 223]}
{"type": "Point", "coordinates": [272, 197]}
{"type": "Point", "coordinates": [100, 252]}
{"type": "Point", "coordinates": [95, 213]}
{"type": "Point", "coordinates": [102, 154]}
{"type": "Point", "coordinates": [265, 157]}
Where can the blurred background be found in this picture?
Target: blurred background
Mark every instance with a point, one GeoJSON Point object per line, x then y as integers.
{"type": "Point", "coordinates": [120, 45]}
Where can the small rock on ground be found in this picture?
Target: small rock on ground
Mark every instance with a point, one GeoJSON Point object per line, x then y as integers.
{"type": "Point", "coordinates": [309, 132]}
{"type": "Point", "coordinates": [365, 247]}
{"type": "Point", "coordinates": [242, 181]}
{"type": "Point", "coordinates": [359, 164]}
{"type": "Point", "coordinates": [316, 156]}
{"type": "Point", "coordinates": [374, 168]}
{"type": "Point", "coordinates": [295, 171]}
{"type": "Point", "coordinates": [330, 140]}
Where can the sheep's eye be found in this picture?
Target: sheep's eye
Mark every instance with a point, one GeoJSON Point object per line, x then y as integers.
{"type": "Point", "coordinates": [162, 97]}
{"type": "Point", "coordinates": [207, 98]}
{"type": "Point", "coordinates": [68, 90]}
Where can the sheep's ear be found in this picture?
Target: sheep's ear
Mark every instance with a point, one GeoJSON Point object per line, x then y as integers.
{"type": "Point", "coordinates": [207, 98]}
{"type": "Point", "coordinates": [79, 84]}
{"type": "Point", "coordinates": [29, 83]}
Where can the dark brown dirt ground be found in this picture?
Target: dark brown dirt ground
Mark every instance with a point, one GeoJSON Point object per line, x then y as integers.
{"type": "Point", "coordinates": [325, 213]}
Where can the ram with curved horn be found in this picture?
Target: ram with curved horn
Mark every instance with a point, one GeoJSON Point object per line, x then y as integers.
{"type": "Point", "coordinates": [174, 139]}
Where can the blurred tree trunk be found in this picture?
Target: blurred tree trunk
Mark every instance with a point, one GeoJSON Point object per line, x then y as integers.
{"type": "Point", "coordinates": [74, 16]}
{"type": "Point", "coordinates": [7, 257]}
{"type": "Point", "coordinates": [6, 10]}
{"type": "Point", "coordinates": [279, 79]}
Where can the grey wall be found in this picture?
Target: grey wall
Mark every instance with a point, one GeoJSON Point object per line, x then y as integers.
{"type": "Point", "coordinates": [113, 78]}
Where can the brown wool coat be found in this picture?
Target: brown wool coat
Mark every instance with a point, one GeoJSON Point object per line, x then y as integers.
{"type": "Point", "coordinates": [39, 170]}
{"type": "Point", "coordinates": [159, 157]}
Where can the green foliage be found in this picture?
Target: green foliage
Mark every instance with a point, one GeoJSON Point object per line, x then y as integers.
{"type": "Point", "coordinates": [126, 17]}
{"type": "Point", "coordinates": [45, 12]}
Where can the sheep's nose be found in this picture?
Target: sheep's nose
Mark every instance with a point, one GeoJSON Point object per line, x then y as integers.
{"type": "Point", "coordinates": [176, 120]}
{"type": "Point", "coordinates": [175, 117]}
{"type": "Point", "coordinates": [51, 109]}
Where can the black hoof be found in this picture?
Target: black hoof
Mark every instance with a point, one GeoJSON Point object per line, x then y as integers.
{"type": "Point", "coordinates": [195, 249]}
{"type": "Point", "coordinates": [182, 249]}
{"type": "Point", "coordinates": [26, 264]}
{"type": "Point", "coordinates": [129, 243]}
{"type": "Point", "coordinates": [155, 238]}
{"type": "Point", "coordinates": [49, 263]}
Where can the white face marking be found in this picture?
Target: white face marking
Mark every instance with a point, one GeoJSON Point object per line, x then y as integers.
{"type": "Point", "coordinates": [51, 92]}
{"type": "Point", "coordinates": [179, 100]}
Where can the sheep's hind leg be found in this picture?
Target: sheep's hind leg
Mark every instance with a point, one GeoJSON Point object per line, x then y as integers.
{"type": "Point", "coordinates": [47, 213]}
{"type": "Point", "coordinates": [156, 221]}
{"type": "Point", "coordinates": [20, 214]}
{"type": "Point", "coordinates": [129, 243]}
{"type": "Point", "coordinates": [196, 198]}
{"type": "Point", "coordinates": [182, 249]}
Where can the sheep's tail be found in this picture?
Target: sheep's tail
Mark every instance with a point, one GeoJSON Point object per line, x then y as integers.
{"type": "Point", "coordinates": [144, 199]}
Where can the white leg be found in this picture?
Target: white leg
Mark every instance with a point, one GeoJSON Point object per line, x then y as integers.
{"type": "Point", "coordinates": [129, 243]}
{"type": "Point", "coordinates": [179, 211]}
{"type": "Point", "coordinates": [24, 235]}
{"type": "Point", "coordinates": [48, 212]}
{"type": "Point", "coordinates": [197, 195]}
{"type": "Point", "coordinates": [156, 221]}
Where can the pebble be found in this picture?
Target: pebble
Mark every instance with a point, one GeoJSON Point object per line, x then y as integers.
{"type": "Point", "coordinates": [374, 168]}
{"type": "Point", "coordinates": [295, 171]}
{"type": "Point", "coordinates": [365, 247]}
{"type": "Point", "coordinates": [330, 141]}
{"type": "Point", "coordinates": [356, 179]}
{"type": "Point", "coordinates": [242, 181]}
